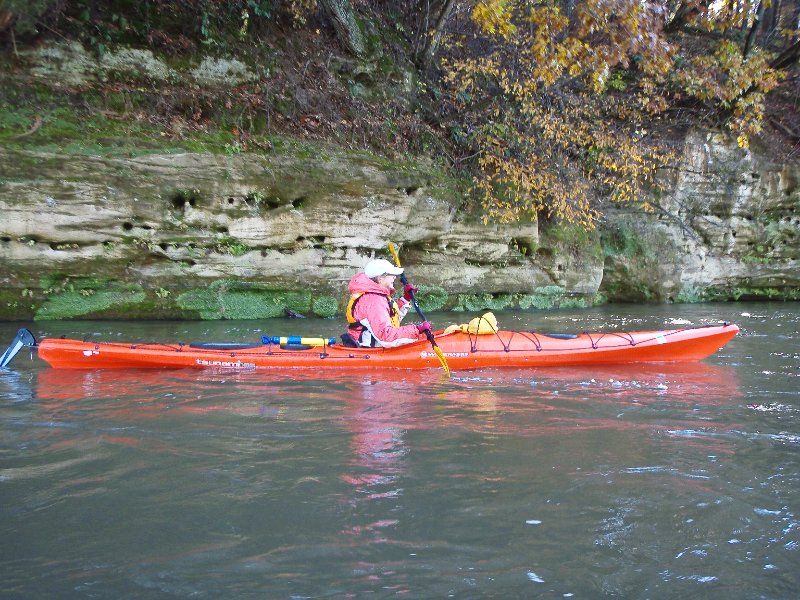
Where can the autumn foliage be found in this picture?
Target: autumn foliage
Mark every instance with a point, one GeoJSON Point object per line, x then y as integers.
{"type": "Point", "coordinates": [555, 107]}
{"type": "Point", "coordinates": [559, 106]}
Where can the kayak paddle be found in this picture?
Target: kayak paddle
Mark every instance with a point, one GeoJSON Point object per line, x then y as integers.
{"type": "Point", "coordinates": [24, 338]}
{"type": "Point", "coordinates": [428, 334]}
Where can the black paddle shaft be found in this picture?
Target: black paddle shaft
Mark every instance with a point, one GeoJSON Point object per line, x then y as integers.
{"type": "Point", "coordinates": [428, 332]}
{"type": "Point", "coordinates": [404, 281]}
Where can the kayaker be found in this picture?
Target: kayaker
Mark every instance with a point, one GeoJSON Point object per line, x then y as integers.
{"type": "Point", "coordinates": [373, 314]}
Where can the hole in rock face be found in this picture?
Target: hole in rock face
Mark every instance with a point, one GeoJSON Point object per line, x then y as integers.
{"type": "Point", "coordinates": [231, 201]}
{"type": "Point", "coordinates": [127, 226]}
{"type": "Point", "coordinates": [5, 239]}
{"type": "Point", "coordinates": [523, 246]}
{"type": "Point", "coordinates": [183, 198]}
{"type": "Point", "coordinates": [313, 241]}
{"type": "Point", "coordinates": [298, 202]}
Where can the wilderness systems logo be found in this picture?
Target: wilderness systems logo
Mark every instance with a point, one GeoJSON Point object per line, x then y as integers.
{"type": "Point", "coordinates": [226, 364]}
{"type": "Point", "coordinates": [426, 354]}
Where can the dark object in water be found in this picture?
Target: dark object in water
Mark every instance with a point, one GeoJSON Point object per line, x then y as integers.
{"type": "Point", "coordinates": [294, 315]}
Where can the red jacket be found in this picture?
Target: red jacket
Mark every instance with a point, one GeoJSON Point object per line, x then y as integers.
{"type": "Point", "coordinates": [373, 313]}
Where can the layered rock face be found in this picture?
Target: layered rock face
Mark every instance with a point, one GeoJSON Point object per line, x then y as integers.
{"type": "Point", "coordinates": [231, 236]}
{"type": "Point", "coordinates": [247, 236]}
{"type": "Point", "coordinates": [726, 228]}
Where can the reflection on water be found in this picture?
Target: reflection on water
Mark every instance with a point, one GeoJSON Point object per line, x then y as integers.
{"type": "Point", "coordinates": [626, 481]}
{"type": "Point", "coordinates": [397, 400]}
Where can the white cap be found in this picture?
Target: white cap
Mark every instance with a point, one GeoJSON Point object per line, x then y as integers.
{"type": "Point", "coordinates": [380, 266]}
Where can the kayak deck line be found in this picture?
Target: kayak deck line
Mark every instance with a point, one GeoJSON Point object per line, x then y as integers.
{"type": "Point", "coordinates": [628, 337]}
{"type": "Point", "coordinates": [530, 336]}
{"type": "Point", "coordinates": [465, 351]}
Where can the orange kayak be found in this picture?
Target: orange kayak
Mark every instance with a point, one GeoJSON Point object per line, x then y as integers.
{"type": "Point", "coordinates": [463, 351]}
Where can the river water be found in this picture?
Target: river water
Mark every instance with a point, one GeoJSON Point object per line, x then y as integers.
{"type": "Point", "coordinates": [655, 481]}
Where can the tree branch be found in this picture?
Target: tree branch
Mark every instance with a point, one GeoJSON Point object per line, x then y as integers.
{"type": "Point", "coordinates": [788, 57]}
{"type": "Point", "coordinates": [751, 35]}
{"type": "Point", "coordinates": [685, 12]}
{"type": "Point", "coordinates": [434, 37]}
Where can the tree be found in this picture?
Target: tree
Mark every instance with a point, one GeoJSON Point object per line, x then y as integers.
{"type": "Point", "coordinates": [549, 139]}
{"type": "Point", "coordinates": [751, 35]}
{"type": "Point", "coordinates": [26, 14]}
{"type": "Point", "coordinates": [432, 21]}
{"type": "Point", "coordinates": [686, 13]}
{"type": "Point", "coordinates": [346, 24]}
{"type": "Point", "coordinates": [560, 99]}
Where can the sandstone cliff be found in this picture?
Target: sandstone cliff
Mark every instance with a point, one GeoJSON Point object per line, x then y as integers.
{"type": "Point", "coordinates": [250, 236]}
{"type": "Point", "coordinates": [103, 218]}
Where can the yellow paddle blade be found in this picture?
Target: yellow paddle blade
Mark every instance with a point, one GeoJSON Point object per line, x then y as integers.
{"type": "Point", "coordinates": [442, 359]}
{"type": "Point", "coordinates": [436, 349]}
{"type": "Point", "coordinates": [394, 254]}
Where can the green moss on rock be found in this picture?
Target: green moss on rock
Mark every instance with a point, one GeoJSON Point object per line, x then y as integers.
{"type": "Point", "coordinates": [598, 299]}
{"type": "Point", "coordinates": [227, 299]}
{"type": "Point", "coordinates": [204, 302]}
{"type": "Point", "coordinates": [325, 306]}
{"type": "Point", "coordinates": [431, 298]}
{"type": "Point", "coordinates": [572, 240]}
{"type": "Point", "coordinates": [80, 300]}
{"type": "Point", "coordinates": [572, 302]}
{"type": "Point", "coordinates": [622, 239]}
{"type": "Point", "coordinates": [543, 298]}
{"type": "Point", "coordinates": [718, 294]}
{"type": "Point", "coordinates": [250, 305]}
{"type": "Point", "coordinates": [478, 302]}
{"type": "Point", "coordinates": [16, 305]}
{"type": "Point", "coordinates": [689, 295]}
